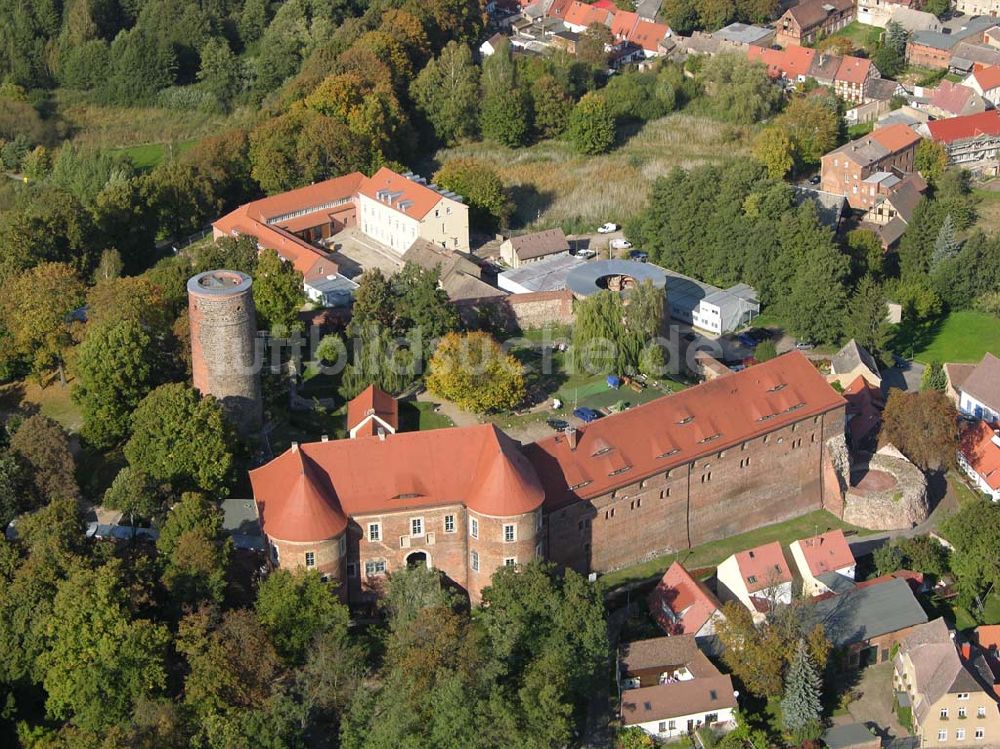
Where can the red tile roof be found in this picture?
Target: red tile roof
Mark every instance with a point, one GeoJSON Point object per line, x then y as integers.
{"type": "Point", "coordinates": [676, 429]}
{"type": "Point", "coordinates": [952, 97]}
{"type": "Point", "coordinates": [623, 23]}
{"type": "Point", "coordinates": [962, 128]}
{"type": "Point", "coordinates": [864, 409]}
{"type": "Point", "coordinates": [559, 8]}
{"type": "Point", "coordinates": [791, 62]}
{"type": "Point", "coordinates": [763, 567]}
{"type": "Point", "coordinates": [854, 70]}
{"type": "Point", "coordinates": [479, 465]}
{"type": "Point", "coordinates": [582, 14]}
{"type": "Point", "coordinates": [980, 447]}
{"type": "Point", "coordinates": [895, 138]}
{"type": "Point", "coordinates": [648, 35]}
{"type": "Point", "coordinates": [406, 196]}
{"type": "Point", "coordinates": [988, 77]}
{"type": "Point", "coordinates": [690, 602]}
{"type": "Point", "coordinates": [987, 636]}
{"type": "Point", "coordinates": [827, 552]}
{"type": "Point", "coordinates": [373, 401]}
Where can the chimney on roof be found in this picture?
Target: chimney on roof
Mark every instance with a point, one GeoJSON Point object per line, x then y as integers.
{"type": "Point", "coordinates": [295, 447]}
{"type": "Point", "coordinates": [571, 438]}
{"type": "Point", "coordinates": [381, 434]}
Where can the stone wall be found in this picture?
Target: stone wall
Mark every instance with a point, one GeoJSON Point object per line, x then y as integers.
{"type": "Point", "coordinates": [903, 505]}
{"type": "Point", "coordinates": [520, 311]}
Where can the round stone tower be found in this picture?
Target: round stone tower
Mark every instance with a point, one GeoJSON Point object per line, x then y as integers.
{"type": "Point", "coordinates": [223, 324]}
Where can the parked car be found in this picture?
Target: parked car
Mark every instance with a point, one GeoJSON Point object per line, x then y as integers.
{"type": "Point", "coordinates": [804, 345]}
{"type": "Point", "coordinates": [607, 228]}
{"type": "Point", "coordinates": [639, 256]}
{"type": "Point", "coordinates": [586, 254]}
{"type": "Point", "coordinates": [560, 425]}
{"type": "Point", "coordinates": [585, 414]}
{"type": "Point", "coordinates": [620, 244]}
{"type": "Point", "coordinates": [814, 180]}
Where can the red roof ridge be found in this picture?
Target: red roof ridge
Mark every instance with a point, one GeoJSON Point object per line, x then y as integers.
{"type": "Point", "coordinates": [306, 509]}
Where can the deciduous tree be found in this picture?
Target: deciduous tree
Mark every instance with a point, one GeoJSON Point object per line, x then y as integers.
{"type": "Point", "coordinates": [773, 148]}
{"type": "Point", "coordinates": [297, 607]}
{"type": "Point", "coordinates": [44, 446]}
{"type": "Point", "coordinates": [482, 188]}
{"type": "Point", "coordinates": [277, 292]}
{"type": "Point", "coordinates": [447, 93]}
{"type": "Point", "coordinates": [181, 437]}
{"type": "Point", "coordinates": [923, 426]}
{"type": "Point", "coordinates": [591, 125]}
{"type": "Point", "coordinates": [472, 370]}
{"type": "Point", "coordinates": [974, 531]}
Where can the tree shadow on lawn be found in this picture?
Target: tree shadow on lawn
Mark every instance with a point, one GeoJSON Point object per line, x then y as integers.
{"type": "Point", "coordinates": [912, 338]}
{"type": "Point", "coordinates": [538, 384]}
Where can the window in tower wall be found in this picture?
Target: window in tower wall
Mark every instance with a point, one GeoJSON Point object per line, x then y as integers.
{"type": "Point", "coordinates": [310, 559]}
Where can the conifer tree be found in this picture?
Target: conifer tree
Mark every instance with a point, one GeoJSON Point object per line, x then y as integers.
{"type": "Point", "coordinates": [801, 708]}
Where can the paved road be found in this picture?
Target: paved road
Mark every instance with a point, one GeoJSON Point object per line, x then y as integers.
{"type": "Point", "coordinates": [905, 375]}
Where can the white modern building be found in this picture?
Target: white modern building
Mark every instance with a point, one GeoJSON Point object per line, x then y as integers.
{"type": "Point", "coordinates": [708, 307]}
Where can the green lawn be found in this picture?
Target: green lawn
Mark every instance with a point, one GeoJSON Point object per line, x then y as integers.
{"type": "Point", "coordinates": [712, 553]}
{"type": "Point", "coordinates": [987, 210]}
{"type": "Point", "coordinates": [963, 336]}
{"type": "Point", "coordinates": [148, 155]}
{"type": "Point", "coordinates": [862, 35]}
{"type": "Point", "coordinates": [962, 490]}
{"type": "Point", "coordinates": [963, 617]}
{"type": "Point", "coordinates": [420, 416]}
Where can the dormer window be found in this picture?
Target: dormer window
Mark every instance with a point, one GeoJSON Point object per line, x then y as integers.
{"type": "Point", "coordinates": [776, 388]}
{"type": "Point", "coordinates": [623, 469]}
{"type": "Point", "coordinates": [709, 438]}
{"type": "Point", "coordinates": [686, 420]}
{"type": "Point", "coordinates": [582, 484]}
{"type": "Point", "coordinates": [669, 453]}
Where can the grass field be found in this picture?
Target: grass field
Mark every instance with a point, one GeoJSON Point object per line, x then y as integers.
{"type": "Point", "coordinates": [103, 126]}
{"type": "Point", "coordinates": [712, 553]}
{"type": "Point", "coordinates": [148, 155]}
{"type": "Point", "coordinates": [52, 400]}
{"type": "Point", "coordinates": [552, 184]}
{"type": "Point", "coordinates": [963, 336]}
{"type": "Point", "coordinates": [987, 210]}
{"type": "Point", "coordinates": [861, 35]}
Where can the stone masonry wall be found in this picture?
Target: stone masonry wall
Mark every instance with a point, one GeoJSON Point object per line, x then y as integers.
{"type": "Point", "coordinates": [901, 506]}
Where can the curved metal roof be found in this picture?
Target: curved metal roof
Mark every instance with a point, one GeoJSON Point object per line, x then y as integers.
{"type": "Point", "coordinates": [582, 280]}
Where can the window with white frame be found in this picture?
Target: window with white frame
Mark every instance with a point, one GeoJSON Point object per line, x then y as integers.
{"type": "Point", "coordinates": [474, 527]}
{"type": "Point", "coordinates": [510, 562]}
{"type": "Point", "coordinates": [416, 526]}
{"type": "Point", "coordinates": [961, 712]}
{"type": "Point", "coordinates": [449, 523]}
{"type": "Point", "coordinates": [963, 696]}
{"type": "Point", "coordinates": [980, 733]}
{"type": "Point", "coordinates": [944, 713]}
{"type": "Point", "coordinates": [310, 559]}
{"type": "Point", "coordinates": [509, 532]}
{"type": "Point", "coordinates": [959, 734]}
{"type": "Point", "coordinates": [375, 567]}
{"type": "Point", "coordinates": [663, 726]}
{"type": "Point", "coordinates": [474, 560]}
{"type": "Point", "coordinates": [374, 532]}
{"type": "Point", "coordinates": [671, 725]}
{"type": "Point", "coordinates": [980, 712]}
{"type": "Point", "coordinates": [942, 735]}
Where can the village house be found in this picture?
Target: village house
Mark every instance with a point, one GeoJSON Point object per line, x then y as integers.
{"type": "Point", "coordinates": [969, 56]}
{"type": "Point", "coordinates": [978, 7]}
{"type": "Point", "coordinates": [971, 142]}
{"type": "Point", "coordinates": [951, 693]}
{"type": "Point", "coordinates": [792, 65]}
{"type": "Point", "coordinates": [745, 34]}
{"type": "Point", "coordinates": [458, 274]}
{"type": "Point", "coordinates": [934, 49]}
{"type": "Point", "coordinates": [853, 77]}
{"type": "Point", "coordinates": [371, 413]}
{"type": "Point", "coordinates": [807, 21]}
{"type": "Point", "coordinates": [824, 562]}
{"type": "Point", "coordinates": [852, 361]}
{"type": "Point", "coordinates": [986, 83]}
{"type": "Point", "coordinates": [913, 20]}
{"type": "Point", "coordinates": [867, 622]}
{"type": "Point", "coordinates": [978, 388]}
{"type": "Point", "coordinates": [682, 605]}
{"type": "Point", "coordinates": [954, 100]}
{"type": "Point", "coordinates": [670, 689]}
{"type": "Point", "coordinates": [855, 169]}
{"type": "Point", "coordinates": [979, 456]}
{"type": "Point", "coordinates": [758, 578]}
{"type": "Point", "coordinates": [879, 12]}
{"type": "Point", "coordinates": [892, 211]}
{"type": "Point", "coordinates": [530, 248]}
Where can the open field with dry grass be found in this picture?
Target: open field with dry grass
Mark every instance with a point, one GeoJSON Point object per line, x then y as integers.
{"type": "Point", "coordinates": [551, 184]}
{"type": "Point", "coordinates": [122, 127]}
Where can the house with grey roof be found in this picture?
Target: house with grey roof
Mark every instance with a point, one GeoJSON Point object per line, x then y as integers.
{"type": "Point", "coordinates": [708, 307]}
{"type": "Point", "coordinates": [867, 622]}
{"type": "Point", "coordinates": [979, 391]}
{"type": "Point", "coordinates": [951, 692]}
{"type": "Point", "coordinates": [458, 275]}
{"type": "Point", "coordinates": [851, 362]}
{"type": "Point", "coordinates": [530, 248]}
{"type": "Point", "coordinates": [743, 33]}
{"type": "Point", "coordinates": [830, 207]}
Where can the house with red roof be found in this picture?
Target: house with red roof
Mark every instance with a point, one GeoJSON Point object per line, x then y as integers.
{"type": "Point", "coordinates": [791, 65]}
{"type": "Point", "coordinates": [372, 412]}
{"type": "Point", "coordinates": [758, 578]}
{"type": "Point", "coordinates": [825, 563]}
{"type": "Point", "coordinates": [807, 21]}
{"type": "Point", "coordinates": [979, 456]}
{"type": "Point", "coordinates": [971, 141]}
{"type": "Point", "coordinates": [393, 209]}
{"type": "Point", "coordinates": [682, 605]}
{"type": "Point", "coordinates": [852, 78]}
{"type": "Point", "coordinates": [858, 170]}
{"type": "Point", "coordinates": [985, 81]}
{"type": "Point", "coordinates": [581, 16]}
{"type": "Point", "coordinates": [949, 99]}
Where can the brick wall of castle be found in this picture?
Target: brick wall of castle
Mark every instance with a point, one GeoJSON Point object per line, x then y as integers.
{"type": "Point", "coordinates": [326, 558]}
{"type": "Point", "coordinates": [446, 543]}
{"type": "Point", "coordinates": [762, 481]}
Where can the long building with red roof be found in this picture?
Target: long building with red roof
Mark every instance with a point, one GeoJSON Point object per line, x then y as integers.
{"type": "Point", "coordinates": [394, 209]}
{"type": "Point", "coordinates": [972, 141]}
{"type": "Point", "coordinates": [717, 459]}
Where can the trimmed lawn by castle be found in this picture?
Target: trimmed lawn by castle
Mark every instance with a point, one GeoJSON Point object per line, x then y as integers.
{"type": "Point", "coordinates": [711, 554]}
{"type": "Point", "coordinates": [963, 336]}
